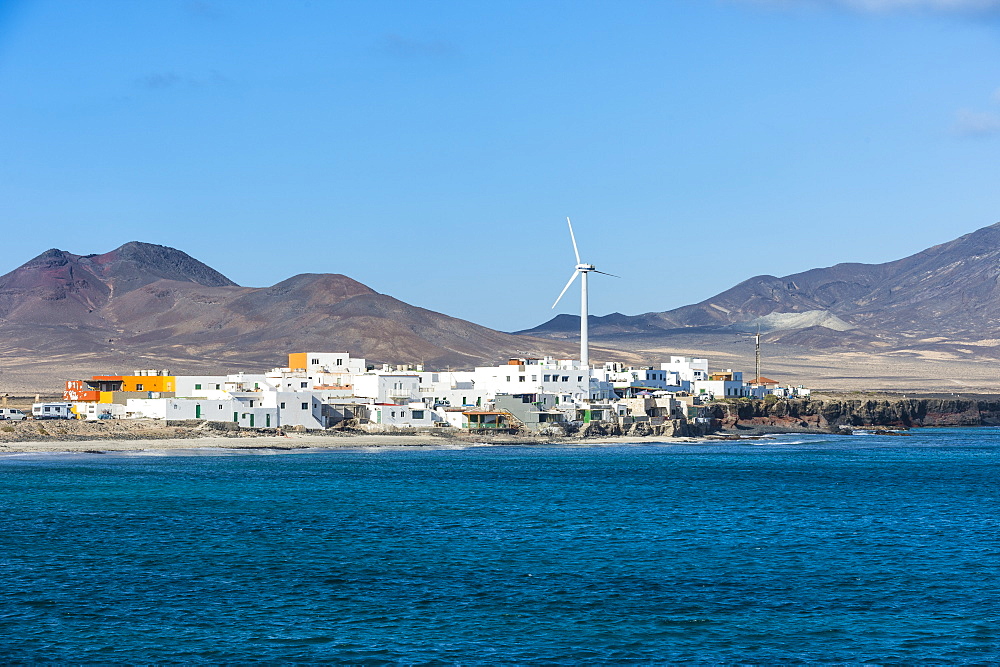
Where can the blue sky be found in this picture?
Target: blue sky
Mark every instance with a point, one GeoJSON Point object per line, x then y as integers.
{"type": "Point", "coordinates": [432, 150]}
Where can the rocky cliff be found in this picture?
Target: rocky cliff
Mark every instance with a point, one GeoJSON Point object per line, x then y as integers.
{"type": "Point", "coordinates": [827, 414]}
{"type": "Point", "coordinates": [672, 428]}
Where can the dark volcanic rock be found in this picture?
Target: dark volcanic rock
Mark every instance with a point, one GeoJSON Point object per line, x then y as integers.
{"type": "Point", "coordinates": [899, 413]}
{"type": "Point", "coordinates": [136, 264]}
{"type": "Point", "coordinates": [151, 301]}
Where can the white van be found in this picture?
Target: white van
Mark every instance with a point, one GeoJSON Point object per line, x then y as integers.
{"type": "Point", "coordinates": [12, 414]}
{"type": "Point", "coordinates": [52, 411]}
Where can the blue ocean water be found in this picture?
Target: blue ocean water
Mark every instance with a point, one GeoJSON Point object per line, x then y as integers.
{"type": "Point", "coordinates": [800, 549]}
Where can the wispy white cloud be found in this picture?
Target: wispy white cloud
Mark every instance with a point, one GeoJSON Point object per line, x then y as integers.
{"type": "Point", "coordinates": [165, 80]}
{"type": "Point", "coordinates": [202, 9]}
{"type": "Point", "coordinates": [937, 5]}
{"type": "Point", "coordinates": [970, 123]}
{"type": "Point", "coordinates": [406, 47]}
{"type": "Point", "coordinates": [888, 6]}
{"type": "Point", "coordinates": [158, 80]}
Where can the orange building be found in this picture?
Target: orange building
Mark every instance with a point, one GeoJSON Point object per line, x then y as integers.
{"type": "Point", "coordinates": [101, 388]}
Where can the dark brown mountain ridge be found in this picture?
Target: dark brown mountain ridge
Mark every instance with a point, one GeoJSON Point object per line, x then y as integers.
{"type": "Point", "coordinates": [149, 306]}
{"type": "Point", "coordinates": [946, 295]}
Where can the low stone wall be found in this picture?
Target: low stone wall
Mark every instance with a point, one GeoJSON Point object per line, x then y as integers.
{"type": "Point", "coordinates": [70, 430]}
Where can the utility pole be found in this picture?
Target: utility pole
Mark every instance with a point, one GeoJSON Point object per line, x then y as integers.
{"type": "Point", "coordinates": [757, 356]}
{"type": "Point", "coordinates": [756, 364]}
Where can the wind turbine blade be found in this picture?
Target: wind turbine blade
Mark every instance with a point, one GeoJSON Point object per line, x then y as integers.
{"type": "Point", "coordinates": [603, 273]}
{"type": "Point", "coordinates": [572, 237]}
{"type": "Point", "coordinates": [571, 279]}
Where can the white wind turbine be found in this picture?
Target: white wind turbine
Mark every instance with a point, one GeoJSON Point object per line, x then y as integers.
{"type": "Point", "coordinates": [581, 269]}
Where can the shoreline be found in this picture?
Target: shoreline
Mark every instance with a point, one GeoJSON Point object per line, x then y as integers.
{"type": "Point", "coordinates": [298, 442]}
{"type": "Point", "coordinates": [729, 420]}
{"type": "Point", "coordinates": [150, 435]}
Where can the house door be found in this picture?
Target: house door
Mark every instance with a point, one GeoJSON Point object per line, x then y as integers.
{"type": "Point", "coordinates": [197, 411]}
{"type": "Point", "coordinates": [251, 420]}
{"type": "Point", "coordinates": [267, 420]}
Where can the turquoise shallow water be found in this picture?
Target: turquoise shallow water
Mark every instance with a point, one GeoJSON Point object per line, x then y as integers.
{"type": "Point", "coordinates": [803, 549]}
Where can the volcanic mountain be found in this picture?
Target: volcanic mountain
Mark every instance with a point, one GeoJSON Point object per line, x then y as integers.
{"type": "Point", "coordinates": [150, 306]}
{"type": "Point", "coordinates": [945, 298]}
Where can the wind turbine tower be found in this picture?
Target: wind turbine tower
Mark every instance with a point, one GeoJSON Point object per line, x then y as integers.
{"type": "Point", "coordinates": [581, 269]}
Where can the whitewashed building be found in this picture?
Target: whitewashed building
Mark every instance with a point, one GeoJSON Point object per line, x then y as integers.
{"type": "Point", "coordinates": [631, 378]}
{"type": "Point", "coordinates": [299, 408]}
{"type": "Point", "coordinates": [726, 384]}
{"type": "Point", "coordinates": [404, 416]}
{"type": "Point", "coordinates": [325, 362]}
{"type": "Point", "coordinates": [200, 386]}
{"type": "Point", "coordinates": [388, 388]}
{"type": "Point", "coordinates": [246, 413]}
{"type": "Point", "coordinates": [92, 411]}
{"type": "Point", "coordinates": [687, 368]}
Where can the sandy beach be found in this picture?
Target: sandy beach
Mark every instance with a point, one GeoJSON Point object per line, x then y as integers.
{"type": "Point", "coordinates": [135, 435]}
{"type": "Point", "coordinates": [299, 441]}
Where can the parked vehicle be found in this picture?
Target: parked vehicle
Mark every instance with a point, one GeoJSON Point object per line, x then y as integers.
{"type": "Point", "coordinates": [52, 411]}
{"type": "Point", "coordinates": [12, 414]}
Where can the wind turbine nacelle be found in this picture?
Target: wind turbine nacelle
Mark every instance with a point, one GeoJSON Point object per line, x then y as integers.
{"type": "Point", "coordinates": [586, 267]}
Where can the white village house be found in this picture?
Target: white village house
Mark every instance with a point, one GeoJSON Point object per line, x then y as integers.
{"type": "Point", "coordinates": [318, 390]}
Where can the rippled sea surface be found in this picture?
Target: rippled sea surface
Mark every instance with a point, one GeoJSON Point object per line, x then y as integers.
{"type": "Point", "coordinates": [799, 549]}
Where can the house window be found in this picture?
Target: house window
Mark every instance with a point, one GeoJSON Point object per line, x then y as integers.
{"type": "Point", "coordinates": [220, 406]}
{"type": "Point", "coordinates": [534, 378]}
{"type": "Point", "coordinates": [305, 406]}
{"type": "Point", "coordinates": [520, 378]}
{"type": "Point", "coordinates": [579, 378]}
{"type": "Point", "coordinates": [393, 413]}
{"type": "Point", "coordinates": [303, 385]}
{"type": "Point", "coordinates": [418, 414]}
{"type": "Point", "coordinates": [565, 378]}
{"type": "Point", "coordinates": [282, 406]}
{"type": "Point", "coordinates": [197, 386]}
{"type": "Point", "coordinates": [547, 378]}
{"type": "Point", "coordinates": [315, 362]}
{"type": "Point", "coordinates": [138, 387]}
{"type": "Point", "coordinates": [218, 386]}
{"type": "Point", "coordinates": [508, 378]}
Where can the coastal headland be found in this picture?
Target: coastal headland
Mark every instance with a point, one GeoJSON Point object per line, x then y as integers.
{"type": "Point", "coordinates": [737, 418]}
{"type": "Point", "coordinates": [859, 411]}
